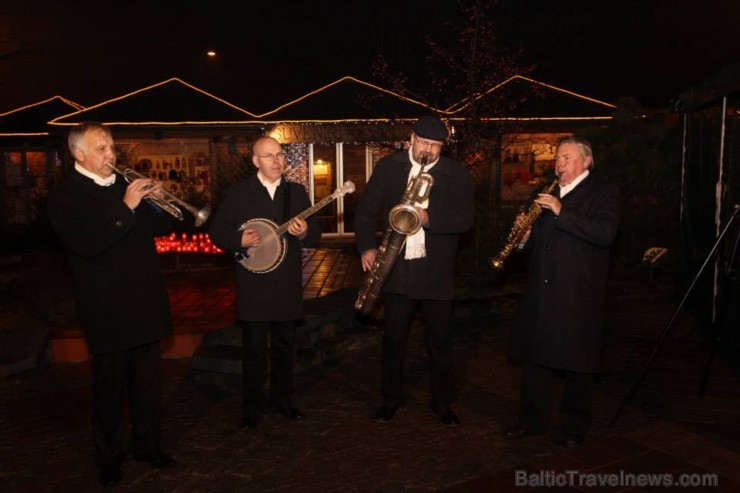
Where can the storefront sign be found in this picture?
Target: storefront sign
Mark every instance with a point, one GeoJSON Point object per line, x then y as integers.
{"type": "Point", "coordinates": [348, 133]}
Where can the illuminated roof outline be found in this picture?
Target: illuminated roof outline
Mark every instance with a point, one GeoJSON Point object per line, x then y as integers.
{"type": "Point", "coordinates": [174, 102]}
{"type": "Point", "coordinates": [171, 102]}
{"type": "Point", "coordinates": [538, 101]}
{"type": "Point", "coordinates": [30, 120]}
{"type": "Point", "coordinates": [349, 100]}
{"type": "Point", "coordinates": [553, 104]}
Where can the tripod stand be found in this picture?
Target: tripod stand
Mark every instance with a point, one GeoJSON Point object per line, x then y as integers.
{"type": "Point", "coordinates": [729, 276]}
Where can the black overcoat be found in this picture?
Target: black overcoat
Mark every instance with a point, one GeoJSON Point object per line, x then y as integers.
{"type": "Point", "coordinates": [120, 289]}
{"type": "Point", "coordinates": [451, 212]}
{"type": "Point", "coordinates": [275, 295]}
{"type": "Point", "coordinates": [560, 318]}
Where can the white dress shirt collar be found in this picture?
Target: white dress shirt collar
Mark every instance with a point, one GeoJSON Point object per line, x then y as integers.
{"type": "Point", "coordinates": [103, 182]}
{"type": "Point", "coordinates": [564, 189]}
{"type": "Point", "coordinates": [271, 187]}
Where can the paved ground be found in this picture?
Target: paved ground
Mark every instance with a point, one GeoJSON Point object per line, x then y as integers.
{"type": "Point", "coordinates": [44, 413]}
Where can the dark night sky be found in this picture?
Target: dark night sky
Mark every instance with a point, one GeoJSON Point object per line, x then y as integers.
{"type": "Point", "coordinates": [89, 51]}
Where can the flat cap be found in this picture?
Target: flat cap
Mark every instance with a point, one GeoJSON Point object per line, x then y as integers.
{"type": "Point", "coordinates": [430, 127]}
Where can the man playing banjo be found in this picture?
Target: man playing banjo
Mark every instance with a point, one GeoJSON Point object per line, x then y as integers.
{"type": "Point", "coordinates": [268, 303]}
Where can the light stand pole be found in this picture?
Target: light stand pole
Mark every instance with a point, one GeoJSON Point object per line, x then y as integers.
{"type": "Point", "coordinates": [628, 397]}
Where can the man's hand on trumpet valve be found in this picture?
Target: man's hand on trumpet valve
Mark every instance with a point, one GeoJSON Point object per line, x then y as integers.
{"type": "Point", "coordinates": [137, 190]}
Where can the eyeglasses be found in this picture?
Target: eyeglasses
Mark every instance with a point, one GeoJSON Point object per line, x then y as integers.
{"type": "Point", "coordinates": [428, 143]}
{"type": "Point", "coordinates": [280, 156]}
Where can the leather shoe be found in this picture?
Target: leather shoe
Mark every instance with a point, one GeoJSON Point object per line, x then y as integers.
{"type": "Point", "coordinates": [449, 418]}
{"type": "Point", "coordinates": [445, 415]}
{"type": "Point", "coordinates": [250, 421]}
{"type": "Point", "coordinates": [567, 441]}
{"type": "Point", "coordinates": [386, 413]}
{"type": "Point", "coordinates": [518, 431]}
{"type": "Point", "coordinates": [158, 460]}
{"type": "Point", "coordinates": [293, 413]}
{"type": "Point", "coordinates": [289, 412]}
{"type": "Point", "coordinates": [110, 474]}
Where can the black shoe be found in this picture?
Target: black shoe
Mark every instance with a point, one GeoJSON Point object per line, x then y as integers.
{"type": "Point", "coordinates": [445, 415]}
{"type": "Point", "coordinates": [293, 413]}
{"type": "Point", "coordinates": [567, 441]}
{"type": "Point", "coordinates": [386, 413]}
{"type": "Point", "coordinates": [110, 474]}
{"type": "Point", "coordinates": [289, 412]}
{"type": "Point", "coordinates": [158, 460]}
{"type": "Point", "coordinates": [518, 431]}
{"type": "Point", "coordinates": [449, 418]}
{"type": "Point", "coordinates": [250, 420]}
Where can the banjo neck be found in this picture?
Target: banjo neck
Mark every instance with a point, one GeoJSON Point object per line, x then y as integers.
{"type": "Point", "coordinates": [318, 205]}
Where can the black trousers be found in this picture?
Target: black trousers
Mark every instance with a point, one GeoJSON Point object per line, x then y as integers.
{"type": "Point", "coordinates": [256, 338]}
{"type": "Point", "coordinates": [399, 312]}
{"type": "Point", "coordinates": [537, 396]}
{"type": "Point", "coordinates": [136, 372]}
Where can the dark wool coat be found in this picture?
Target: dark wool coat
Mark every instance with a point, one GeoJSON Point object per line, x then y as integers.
{"type": "Point", "coordinates": [560, 319]}
{"type": "Point", "coordinates": [275, 295]}
{"type": "Point", "coordinates": [451, 212]}
{"type": "Point", "coordinates": [121, 295]}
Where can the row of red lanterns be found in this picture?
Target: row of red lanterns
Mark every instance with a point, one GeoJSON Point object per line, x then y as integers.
{"type": "Point", "coordinates": [185, 243]}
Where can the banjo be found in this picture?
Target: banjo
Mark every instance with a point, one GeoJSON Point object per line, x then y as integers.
{"type": "Point", "coordinates": [270, 252]}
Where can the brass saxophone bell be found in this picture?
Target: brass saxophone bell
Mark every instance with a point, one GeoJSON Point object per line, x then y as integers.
{"type": "Point", "coordinates": [496, 264]}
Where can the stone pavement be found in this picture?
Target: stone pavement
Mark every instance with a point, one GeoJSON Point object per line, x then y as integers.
{"type": "Point", "coordinates": [45, 440]}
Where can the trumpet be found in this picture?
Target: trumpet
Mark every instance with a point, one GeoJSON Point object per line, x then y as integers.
{"type": "Point", "coordinates": [166, 200]}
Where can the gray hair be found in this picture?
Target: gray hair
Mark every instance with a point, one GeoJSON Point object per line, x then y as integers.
{"type": "Point", "coordinates": [78, 132]}
{"type": "Point", "coordinates": [583, 145]}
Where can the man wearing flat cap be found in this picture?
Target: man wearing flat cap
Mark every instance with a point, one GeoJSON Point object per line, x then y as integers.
{"type": "Point", "coordinates": [423, 274]}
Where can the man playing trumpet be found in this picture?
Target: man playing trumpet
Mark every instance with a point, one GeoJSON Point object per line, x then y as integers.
{"type": "Point", "coordinates": [123, 304]}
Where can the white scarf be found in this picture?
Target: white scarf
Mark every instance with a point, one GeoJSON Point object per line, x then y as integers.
{"type": "Point", "coordinates": [415, 243]}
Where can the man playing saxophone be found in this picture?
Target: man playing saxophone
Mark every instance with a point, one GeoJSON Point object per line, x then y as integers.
{"type": "Point", "coordinates": [559, 323]}
{"type": "Point", "coordinates": [423, 275]}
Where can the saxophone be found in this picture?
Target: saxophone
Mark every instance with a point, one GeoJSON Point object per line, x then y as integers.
{"type": "Point", "coordinates": [519, 229]}
{"type": "Point", "coordinates": [403, 220]}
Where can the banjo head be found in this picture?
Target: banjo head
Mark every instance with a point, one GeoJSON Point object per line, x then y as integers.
{"type": "Point", "coordinates": [271, 251]}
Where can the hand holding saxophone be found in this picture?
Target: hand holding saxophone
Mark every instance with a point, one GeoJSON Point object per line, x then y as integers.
{"type": "Point", "coordinates": [550, 202]}
{"type": "Point", "coordinates": [138, 189]}
{"type": "Point", "coordinates": [368, 259]}
{"type": "Point", "coordinates": [423, 215]}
